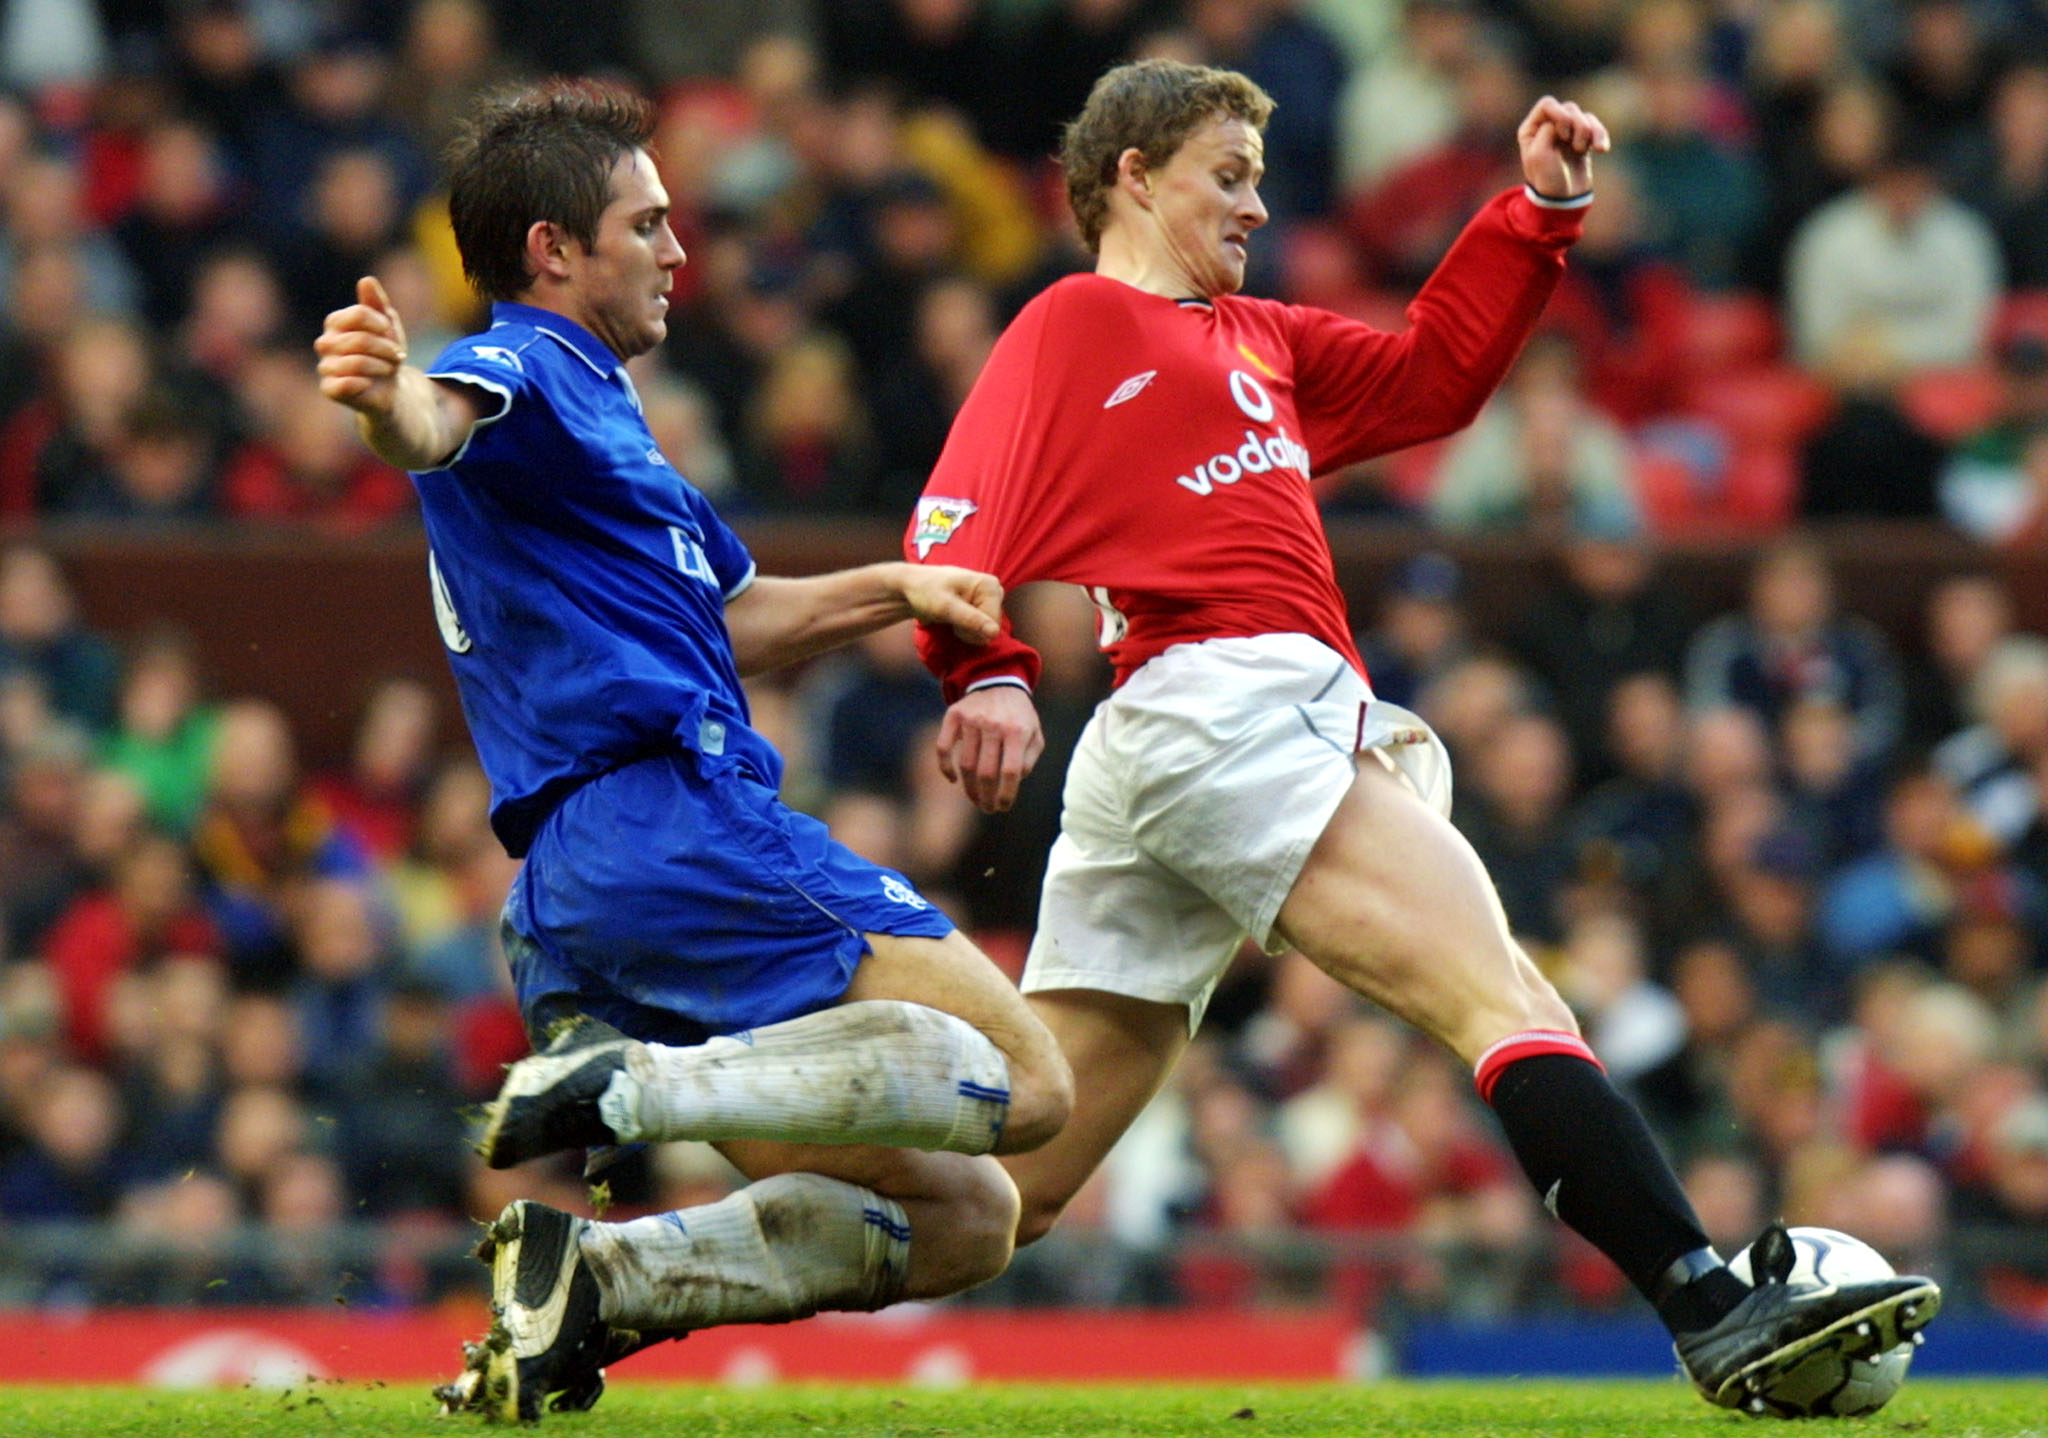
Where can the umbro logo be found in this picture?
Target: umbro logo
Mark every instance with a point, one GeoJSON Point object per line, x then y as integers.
{"type": "Point", "coordinates": [1129, 388]}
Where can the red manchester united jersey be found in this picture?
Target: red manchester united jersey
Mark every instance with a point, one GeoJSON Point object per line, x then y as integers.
{"type": "Point", "coordinates": [1158, 452]}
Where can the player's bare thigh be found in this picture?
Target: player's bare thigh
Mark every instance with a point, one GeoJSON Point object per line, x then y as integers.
{"type": "Point", "coordinates": [1122, 1050]}
{"type": "Point", "coordinates": [962, 1208]}
{"type": "Point", "coordinates": [954, 976]}
{"type": "Point", "coordinates": [1394, 903]}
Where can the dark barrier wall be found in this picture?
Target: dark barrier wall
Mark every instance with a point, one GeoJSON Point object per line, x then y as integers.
{"type": "Point", "coordinates": [313, 623]}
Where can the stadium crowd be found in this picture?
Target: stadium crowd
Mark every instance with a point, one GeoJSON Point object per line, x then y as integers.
{"type": "Point", "coordinates": [1792, 872]}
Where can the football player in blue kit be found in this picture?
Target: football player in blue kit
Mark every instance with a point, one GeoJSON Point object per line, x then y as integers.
{"type": "Point", "coordinates": [694, 959]}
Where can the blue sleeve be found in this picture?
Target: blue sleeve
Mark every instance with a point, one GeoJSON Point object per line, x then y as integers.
{"type": "Point", "coordinates": [496, 369]}
{"type": "Point", "coordinates": [730, 561]}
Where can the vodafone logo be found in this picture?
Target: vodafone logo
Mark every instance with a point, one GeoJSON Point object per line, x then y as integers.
{"type": "Point", "coordinates": [1251, 397]}
{"type": "Point", "coordinates": [1259, 454]}
{"type": "Point", "coordinates": [1129, 388]}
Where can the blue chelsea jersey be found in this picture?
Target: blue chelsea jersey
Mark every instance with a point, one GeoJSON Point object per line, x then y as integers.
{"type": "Point", "coordinates": [579, 582]}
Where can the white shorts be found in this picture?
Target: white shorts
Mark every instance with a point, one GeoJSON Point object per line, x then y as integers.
{"type": "Point", "coordinates": [1194, 797]}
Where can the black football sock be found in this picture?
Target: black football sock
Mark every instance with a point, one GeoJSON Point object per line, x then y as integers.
{"type": "Point", "coordinates": [1593, 1159]}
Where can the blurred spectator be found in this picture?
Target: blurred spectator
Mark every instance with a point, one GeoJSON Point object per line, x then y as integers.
{"type": "Point", "coordinates": [336, 99]}
{"type": "Point", "coordinates": [1834, 795]}
{"type": "Point", "coordinates": [183, 209]}
{"type": "Point", "coordinates": [1639, 822]}
{"type": "Point", "coordinates": [222, 65]}
{"type": "Point", "coordinates": [2011, 184]}
{"type": "Point", "coordinates": [921, 389]}
{"type": "Point", "coordinates": [237, 313]}
{"type": "Point", "coordinates": [1284, 1046]}
{"type": "Point", "coordinates": [171, 1084]}
{"type": "Point", "coordinates": [2030, 535]}
{"type": "Point", "coordinates": [1728, 1191]}
{"type": "Point", "coordinates": [1701, 196]}
{"type": "Point", "coordinates": [307, 467]}
{"type": "Point", "coordinates": [1406, 222]}
{"type": "Point", "coordinates": [1868, 459]}
{"type": "Point", "coordinates": [377, 797]}
{"type": "Point", "coordinates": [1789, 642]}
{"type": "Point", "coordinates": [1633, 1024]}
{"type": "Point", "coordinates": [42, 637]}
{"type": "Point", "coordinates": [1512, 810]}
{"type": "Point", "coordinates": [1984, 487]}
{"type": "Point", "coordinates": [40, 870]}
{"type": "Point", "coordinates": [146, 911]}
{"type": "Point", "coordinates": [156, 469]}
{"type": "Point", "coordinates": [1404, 100]}
{"type": "Point", "coordinates": [886, 799]}
{"type": "Point", "coordinates": [166, 736]}
{"type": "Point", "coordinates": [1323, 1125]}
{"type": "Point", "coordinates": [809, 446]}
{"type": "Point", "coordinates": [1900, 256]}
{"type": "Point", "coordinates": [449, 58]}
{"type": "Point", "coordinates": [1600, 616]}
{"type": "Point", "coordinates": [344, 961]}
{"type": "Point", "coordinates": [685, 426]}
{"type": "Point", "coordinates": [44, 209]}
{"type": "Point", "coordinates": [1539, 460]}
{"type": "Point", "coordinates": [1054, 60]}
{"type": "Point", "coordinates": [913, 240]}
{"type": "Point", "coordinates": [1771, 891]}
{"type": "Point", "coordinates": [935, 52]}
{"type": "Point", "coordinates": [71, 1167]}
{"type": "Point", "coordinates": [1421, 631]}
{"type": "Point", "coordinates": [261, 835]}
{"type": "Point", "coordinates": [1942, 75]}
{"type": "Point", "coordinates": [1966, 615]}
{"type": "Point", "coordinates": [1820, 125]}
{"type": "Point", "coordinates": [402, 1129]}
{"type": "Point", "coordinates": [1991, 762]}
{"type": "Point", "coordinates": [1898, 899]}
{"type": "Point", "coordinates": [61, 439]}
{"type": "Point", "coordinates": [354, 213]}
{"type": "Point", "coordinates": [1685, 1096]}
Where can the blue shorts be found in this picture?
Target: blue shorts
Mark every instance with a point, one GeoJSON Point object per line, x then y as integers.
{"type": "Point", "coordinates": [676, 907]}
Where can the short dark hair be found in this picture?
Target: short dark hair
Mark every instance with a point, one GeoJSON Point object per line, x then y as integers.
{"type": "Point", "coordinates": [537, 152]}
{"type": "Point", "coordinates": [1152, 106]}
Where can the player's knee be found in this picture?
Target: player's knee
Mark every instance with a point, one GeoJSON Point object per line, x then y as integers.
{"type": "Point", "coordinates": [1036, 1216]}
{"type": "Point", "coordinates": [979, 1225]}
{"type": "Point", "coordinates": [1041, 1094]}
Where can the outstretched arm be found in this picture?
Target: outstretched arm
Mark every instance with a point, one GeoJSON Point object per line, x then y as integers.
{"type": "Point", "coordinates": [774, 622]}
{"type": "Point", "coordinates": [411, 422]}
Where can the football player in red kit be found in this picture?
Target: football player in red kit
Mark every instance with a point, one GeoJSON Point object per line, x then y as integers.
{"type": "Point", "coordinates": [1149, 434]}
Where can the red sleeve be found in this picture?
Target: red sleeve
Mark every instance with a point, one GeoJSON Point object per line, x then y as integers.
{"type": "Point", "coordinates": [1363, 392]}
{"type": "Point", "coordinates": [969, 512]}
{"type": "Point", "coordinates": [960, 665]}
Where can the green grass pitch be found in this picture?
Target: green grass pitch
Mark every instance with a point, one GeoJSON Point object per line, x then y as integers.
{"type": "Point", "coordinates": [1962, 1409]}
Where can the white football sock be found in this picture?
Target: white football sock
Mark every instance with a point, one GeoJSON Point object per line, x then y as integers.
{"type": "Point", "coordinates": [835, 1246]}
{"type": "Point", "coordinates": [879, 1071]}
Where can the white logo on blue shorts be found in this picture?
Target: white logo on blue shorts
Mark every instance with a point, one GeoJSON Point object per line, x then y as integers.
{"type": "Point", "coordinates": [901, 893]}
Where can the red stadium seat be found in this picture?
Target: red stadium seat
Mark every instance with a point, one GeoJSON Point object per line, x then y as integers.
{"type": "Point", "coordinates": [1774, 406]}
{"type": "Point", "coordinates": [1728, 331]}
{"type": "Point", "coordinates": [2022, 312]}
{"type": "Point", "coordinates": [1763, 487]}
{"type": "Point", "coordinates": [1952, 403]}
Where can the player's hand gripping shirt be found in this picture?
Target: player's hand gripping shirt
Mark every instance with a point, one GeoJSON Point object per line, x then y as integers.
{"type": "Point", "coordinates": [1158, 451]}
{"type": "Point", "coordinates": [579, 581]}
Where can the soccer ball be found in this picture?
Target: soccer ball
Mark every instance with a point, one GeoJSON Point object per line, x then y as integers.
{"type": "Point", "coordinates": [1829, 1385]}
